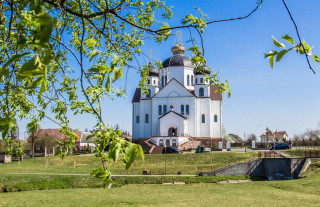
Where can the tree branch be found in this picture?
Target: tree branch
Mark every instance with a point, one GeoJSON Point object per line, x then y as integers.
{"type": "Point", "coordinates": [297, 31]}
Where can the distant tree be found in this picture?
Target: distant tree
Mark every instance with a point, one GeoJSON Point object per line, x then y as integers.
{"type": "Point", "coordinates": [251, 137]}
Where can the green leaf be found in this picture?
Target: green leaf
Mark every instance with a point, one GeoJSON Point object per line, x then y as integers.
{"type": "Point", "coordinates": [281, 54]}
{"type": "Point", "coordinates": [108, 83]}
{"type": "Point", "coordinates": [99, 173]}
{"type": "Point", "coordinates": [271, 61]}
{"type": "Point", "coordinates": [117, 73]}
{"type": "Point", "coordinates": [14, 58]}
{"type": "Point", "coordinates": [307, 48]}
{"type": "Point", "coordinates": [91, 43]}
{"type": "Point", "coordinates": [94, 53]}
{"type": "Point", "coordinates": [29, 68]}
{"type": "Point", "coordinates": [288, 39]}
{"type": "Point", "coordinates": [114, 150]}
{"type": "Point", "coordinates": [278, 44]}
{"type": "Point", "coordinates": [315, 58]}
{"type": "Point", "coordinates": [270, 53]}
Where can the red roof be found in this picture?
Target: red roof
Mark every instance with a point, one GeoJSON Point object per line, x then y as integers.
{"type": "Point", "coordinates": [79, 136]}
{"type": "Point", "coordinates": [214, 94]}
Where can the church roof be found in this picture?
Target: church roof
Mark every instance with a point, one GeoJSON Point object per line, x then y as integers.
{"type": "Point", "coordinates": [174, 113]}
{"type": "Point", "coordinates": [137, 95]}
{"type": "Point", "coordinates": [215, 96]}
{"type": "Point", "coordinates": [153, 71]}
{"type": "Point", "coordinates": [177, 60]}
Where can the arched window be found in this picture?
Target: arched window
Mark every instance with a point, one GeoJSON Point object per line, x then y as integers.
{"type": "Point", "coordinates": [148, 81]}
{"type": "Point", "coordinates": [164, 109]}
{"type": "Point", "coordinates": [201, 80]}
{"type": "Point", "coordinates": [137, 119]}
{"type": "Point", "coordinates": [182, 109]}
{"type": "Point", "coordinates": [161, 142]}
{"type": "Point", "coordinates": [160, 110]}
{"type": "Point", "coordinates": [187, 109]}
{"type": "Point", "coordinates": [188, 80]}
{"type": "Point", "coordinates": [192, 80]}
{"type": "Point", "coordinates": [174, 142]}
{"type": "Point", "coordinates": [201, 92]}
{"type": "Point", "coordinates": [149, 93]}
{"type": "Point", "coordinates": [146, 118]}
{"type": "Point", "coordinates": [196, 81]}
{"type": "Point", "coordinates": [215, 118]}
{"type": "Point", "coordinates": [165, 80]}
{"type": "Point", "coordinates": [203, 118]}
{"type": "Point", "coordinates": [154, 82]}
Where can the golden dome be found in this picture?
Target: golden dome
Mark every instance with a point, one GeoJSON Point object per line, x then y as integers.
{"type": "Point", "coordinates": [178, 49]}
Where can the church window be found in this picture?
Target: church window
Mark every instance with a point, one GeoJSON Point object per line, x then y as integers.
{"type": "Point", "coordinates": [160, 110]}
{"type": "Point", "coordinates": [215, 118]}
{"type": "Point", "coordinates": [196, 81]}
{"type": "Point", "coordinates": [164, 109]}
{"type": "Point", "coordinates": [192, 80]}
{"type": "Point", "coordinates": [182, 109]}
{"type": "Point", "coordinates": [187, 109]}
{"type": "Point", "coordinates": [188, 80]}
{"type": "Point", "coordinates": [149, 93]}
{"type": "Point", "coordinates": [148, 81]}
{"type": "Point", "coordinates": [201, 80]}
{"type": "Point", "coordinates": [201, 92]}
{"type": "Point", "coordinates": [161, 142]}
{"type": "Point", "coordinates": [154, 82]}
{"type": "Point", "coordinates": [146, 118]}
{"type": "Point", "coordinates": [162, 81]}
{"type": "Point", "coordinates": [165, 79]}
{"type": "Point", "coordinates": [203, 118]}
{"type": "Point", "coordinates": [137, 119]}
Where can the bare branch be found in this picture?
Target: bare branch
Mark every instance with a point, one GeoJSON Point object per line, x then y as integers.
{"type": "Point", "coordinates": [297, 31]}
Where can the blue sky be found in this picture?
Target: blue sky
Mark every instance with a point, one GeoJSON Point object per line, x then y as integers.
{"type": "Point", "coordinates": [284, 98]}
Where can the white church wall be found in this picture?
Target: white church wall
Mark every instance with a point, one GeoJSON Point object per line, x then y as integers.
{"type": "Point", "coordinates": [216, 126]}
{"type": "Point", "coordinates": [171, 120]}
{"type": "Point", "coordinates": [188, 71]}
{"type": "Point", "coordinates": [145, 128]}
{"type": "Point", "coordinates": [203, 107]}
{"type": "Point", "coordinates": [135, 125]}
{"type": "Point", "coordinates": [176, 102]}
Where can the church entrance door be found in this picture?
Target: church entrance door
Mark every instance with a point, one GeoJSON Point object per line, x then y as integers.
{"type": "Point", "coordinates": [172, 131]}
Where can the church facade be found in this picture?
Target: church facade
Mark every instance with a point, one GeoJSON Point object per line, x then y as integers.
{"type": "Point", "coordinates": [180, 106]}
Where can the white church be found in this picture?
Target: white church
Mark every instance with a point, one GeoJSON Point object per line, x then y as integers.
{"type": "Point", "coordinates": [180, 106]}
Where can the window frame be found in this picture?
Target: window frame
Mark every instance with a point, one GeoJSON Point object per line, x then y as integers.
{"type": "Point", "coordinates": [203, 118]}
{"type": "Point", "coordinates": [201, 92]}
{"type": "Point", "coordinates": [182, 109]}
{"type": "Point", "coordinates": [187, 109]}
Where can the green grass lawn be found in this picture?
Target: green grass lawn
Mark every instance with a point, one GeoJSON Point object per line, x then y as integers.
{"type": "Point", "coordinates": [184, 163]}
{"type": "Point", "coordinates": [299, 152]}
{"type": "Point", "coordinates": [302, 192]}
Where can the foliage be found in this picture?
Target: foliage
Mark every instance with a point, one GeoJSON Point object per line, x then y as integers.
{"type": "Point", "coordinates": [251, 137]}
{"type": "Point", "coordinates": [19, 147]}
{"type": "Point", "coordinates": [8, 143]}
{"type": "Point", "coordinates": [103, 38]}
{"type": "Point", "coordinates": [301, 48]}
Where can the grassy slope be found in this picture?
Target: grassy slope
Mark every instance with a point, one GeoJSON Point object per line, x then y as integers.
{"type": "Point", "coordinates": [85, 164]}
{"type": "Point", "coordinates": [185, 163]}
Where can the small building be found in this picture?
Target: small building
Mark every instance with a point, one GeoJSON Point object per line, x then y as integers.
{"type": "Point", "coordinates": [274, 136]}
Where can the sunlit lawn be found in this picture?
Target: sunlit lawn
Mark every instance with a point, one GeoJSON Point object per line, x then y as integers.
{"type": "Point", "coordinates": [184, 163]}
